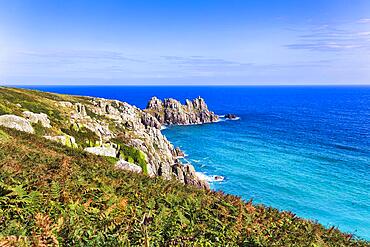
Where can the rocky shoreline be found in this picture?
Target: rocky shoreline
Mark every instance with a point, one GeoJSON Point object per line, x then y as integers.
{"type": "Point", "coordinates": [118, 127]}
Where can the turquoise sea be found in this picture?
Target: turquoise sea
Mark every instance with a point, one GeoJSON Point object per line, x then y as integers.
{"type": "Point", "coordinates": [303, 149]}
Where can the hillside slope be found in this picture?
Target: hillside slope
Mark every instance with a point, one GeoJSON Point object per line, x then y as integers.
{"type": "Point", "coordinates": [105, 127]}
{"type": "Point", "coordinates": [54, 193]}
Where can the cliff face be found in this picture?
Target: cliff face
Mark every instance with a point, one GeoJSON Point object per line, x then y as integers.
{"type": "Point", "coordinates": [142, 131]}
{"type": "Point", "coordinates": [171, 111]}
{"type": "Point", "coordinates": [104, 127]}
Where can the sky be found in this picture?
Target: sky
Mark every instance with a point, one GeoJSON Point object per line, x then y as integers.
{"type": "Point", "coordinates": [185, 42]}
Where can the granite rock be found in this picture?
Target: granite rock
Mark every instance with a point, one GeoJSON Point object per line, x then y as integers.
{"type": "Point", "coordinates": [171, 111]}
{"type": "Point", "coordinates": [16, 122]}
{"type": "Point", "coordinates": [124, 165]}
{"type": "Point", "coordinates": [41, 118]}
{"type": "Point", "coordinates": [102, 151]}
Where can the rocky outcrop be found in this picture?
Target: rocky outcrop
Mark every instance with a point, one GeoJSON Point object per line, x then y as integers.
{"type": "Point", "coordinates": [102, 151]}
{"type": "Point", "coordinates": [41, 118]}
{"type": "Point", "coordinates": [112, 119]}
{"type": "Point", "coordinates": [117, 129]}
{"type": "Point", "coordinates": [64, 104]}
{"type": "Point", "coordinates": [80, 109]}
{"type": "Point", "coordinates": [179, 153]}
{"type": "Point", "coordinates": [136, 128]}
{"type": "Point", "coordinates": [115, 123]}
{"type": "Point", "coordinates": [16, 122]}
{"type": "Point", "coordinates": [171, 111]}
{"type": "Point", "coordinates": [231, 116]}
{"type": "Point", "coordinates": [65, 140]}
{"type": "Point", "coordinates": [187, 174]}
{"type": "Point", "coordinates": [124, 165]}
{"type": "Point", "coordinates": [149, 120]}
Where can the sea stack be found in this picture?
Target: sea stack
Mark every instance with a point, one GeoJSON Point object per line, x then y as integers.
{"type": "Point", "coordinates": [231, 116]}
{"type": "Point", "coordinates": [171, 111]}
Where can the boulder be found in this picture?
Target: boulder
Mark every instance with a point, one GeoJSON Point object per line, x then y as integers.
{"type": "Point", "coordinates": [15, 122]}
{"type": "Point", "coordinates": [231, 116]}
{"type": "Point", "coordinates": [65, 140]}
{"type": "Point", "coordinates": [122, 164]}
{"type": "Point", "coordinates": [37, 118]}
{"type": "Point", "coordinates": [102, 151]}
{"type": "Point", "coordinates": [65, 104]}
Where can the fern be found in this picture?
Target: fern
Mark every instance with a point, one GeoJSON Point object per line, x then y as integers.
{"type": "Point", "coordinates": [55, 190]}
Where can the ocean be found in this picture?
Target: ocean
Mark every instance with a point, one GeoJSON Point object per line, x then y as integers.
{"type": "Point", "coordinates": [302, 149]}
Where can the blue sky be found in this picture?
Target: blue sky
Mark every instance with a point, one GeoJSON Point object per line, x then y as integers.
{"type": "Point", "coordinates": [185, 42]}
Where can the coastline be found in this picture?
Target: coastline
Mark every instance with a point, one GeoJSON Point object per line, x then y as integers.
{"type": "Point", "coordinates": [208, 125]}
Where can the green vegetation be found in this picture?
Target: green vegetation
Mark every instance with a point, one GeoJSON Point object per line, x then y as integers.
{"type": "Point", "coordinates": [3, 136]}
{"type": "Point", "coordinates": [132, 155]}
{"type": "Point", "coordinates": [53, 195]}
{"type": "Point", "coordinates": [39, 129]}
{"type": "Point", "coordinates": [84, 137]}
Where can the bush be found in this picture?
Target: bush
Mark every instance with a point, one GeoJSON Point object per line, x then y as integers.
{"type": "Point", "coordinates": [83, 136]}
{"type": "Point", "coordinates": [132, 155]}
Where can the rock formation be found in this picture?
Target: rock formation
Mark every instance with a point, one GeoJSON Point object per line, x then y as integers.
{"type": "Point", "coordinates": [103, 127]}
{"type": "Point", "coordinates": [37, 118]}
{"type": "Point", "coordinates": [122, 164]}
{"type": "Point", "coordinates": [138, 129]}
{"type": "Point", "coordinates": [102, 151]}
{"type": "Point", "coordinates": [65, 140]}
{"type": "Point", "coordinates": [171, 111]}
{"type": "Point", "coordinates": [16, 122]}
{"type": "Point", "coordinates": [231, 116]}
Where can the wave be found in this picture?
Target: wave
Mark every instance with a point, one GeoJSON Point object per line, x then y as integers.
{"type": "Point", "coordinates": [196, 161]}
{"type": "Point", "coordinates": [222, 118]}
{"type": "Point", "coordinates": [210, 178]}
{"type": "Point", "coordinates": [234, 119]}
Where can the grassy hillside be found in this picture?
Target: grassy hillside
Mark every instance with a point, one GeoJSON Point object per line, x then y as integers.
{"type": "Point", "coordinates": [53, 195]}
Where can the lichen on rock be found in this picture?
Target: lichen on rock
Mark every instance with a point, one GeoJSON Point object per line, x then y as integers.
{"type": "Point", "coordinates": [125, 165]}
{"type": "Point", "coordinates": [64, 139]}
{"type": "Point", "coordinates": [16, 122]}
{"type": "Point", "coordinates": [102, 151]}
{"type": "Point", "coordinates": [37, 118]}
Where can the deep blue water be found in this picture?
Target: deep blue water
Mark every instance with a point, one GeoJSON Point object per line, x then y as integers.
{"type": "Point", "coordinates": [304, 149]}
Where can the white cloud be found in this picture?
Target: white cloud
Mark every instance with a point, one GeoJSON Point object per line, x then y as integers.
{"type": "Point", "coordinates": [332, 38]}
{"type": "Point", "coordinates": [364, 20]}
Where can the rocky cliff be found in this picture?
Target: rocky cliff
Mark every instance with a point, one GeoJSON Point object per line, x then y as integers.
{"type": "Point", "coordinates": [171, 111]}
{"type": "Point", "coordinates": [107, 128]}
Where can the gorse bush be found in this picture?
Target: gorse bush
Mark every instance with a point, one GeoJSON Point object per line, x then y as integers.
{"type": "Point", "coordinates": [52, 195]}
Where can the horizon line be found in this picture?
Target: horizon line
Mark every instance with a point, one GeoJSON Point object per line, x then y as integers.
{"type": "Point", "coordinates": [190, 85]}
